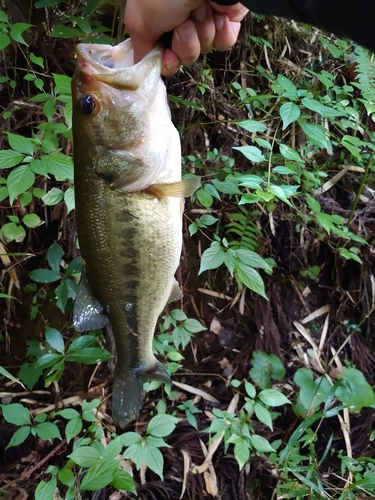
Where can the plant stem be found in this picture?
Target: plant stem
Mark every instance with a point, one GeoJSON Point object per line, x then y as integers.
{"type": "Point", "coordinates": [359, 191]}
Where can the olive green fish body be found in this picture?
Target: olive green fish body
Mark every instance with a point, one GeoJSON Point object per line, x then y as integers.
{"type": "Point", "coordinates": [128, 209]}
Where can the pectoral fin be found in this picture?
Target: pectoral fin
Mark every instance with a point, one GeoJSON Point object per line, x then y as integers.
{"type": "Point", "coordinates": [88, 314]}
{"type": "Point", "coordinates": [180, 189]}
{"type": "Point", "coordinates": [176, 293]}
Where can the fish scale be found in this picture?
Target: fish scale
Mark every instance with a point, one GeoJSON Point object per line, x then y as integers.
{"type": "Point", "coordinates": [128, 209]}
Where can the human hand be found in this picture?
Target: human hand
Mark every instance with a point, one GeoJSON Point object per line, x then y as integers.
{"type": "Point", "coordinates": [198, 27]}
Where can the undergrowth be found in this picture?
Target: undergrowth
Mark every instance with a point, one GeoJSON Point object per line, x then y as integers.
{"type": "Point", "coordinates": [271, 144]}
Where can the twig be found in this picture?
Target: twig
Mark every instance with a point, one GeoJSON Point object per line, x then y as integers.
{"type": "Point", "coordinates": [26, 474]}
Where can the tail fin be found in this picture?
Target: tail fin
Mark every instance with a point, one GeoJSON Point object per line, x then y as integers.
{"type": "Point", "coordinates": [127, 392]}
{"type": "Point", "coordinates": [126, 397]}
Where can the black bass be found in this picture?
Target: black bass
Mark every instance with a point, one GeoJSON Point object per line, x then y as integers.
{"type": "Point", "coordinates": [129, 192]}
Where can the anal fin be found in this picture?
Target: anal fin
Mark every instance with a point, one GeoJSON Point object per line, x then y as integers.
{"type": "Point", "coordinates": [88, 314]}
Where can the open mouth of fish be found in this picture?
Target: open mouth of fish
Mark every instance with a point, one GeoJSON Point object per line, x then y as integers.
{"type": "Point", "coordinates": [114, 65]}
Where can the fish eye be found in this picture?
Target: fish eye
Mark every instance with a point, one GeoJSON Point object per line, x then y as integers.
{"type": "Point", "coordinates": [87, 104]}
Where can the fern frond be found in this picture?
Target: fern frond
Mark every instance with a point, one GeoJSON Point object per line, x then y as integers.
{"type": "Point", "coordinates": [365, 61]}
{"type": "Point", "coordinates": [242, 231]}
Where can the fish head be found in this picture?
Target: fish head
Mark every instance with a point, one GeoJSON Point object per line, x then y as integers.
{"type": "Point", "coordinates": [122, 128]}
{"type": "Point", "coordinates": [111, 95]}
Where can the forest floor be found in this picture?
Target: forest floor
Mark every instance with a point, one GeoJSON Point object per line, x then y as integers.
{"type": "Point", "coordinates": [237, 323]}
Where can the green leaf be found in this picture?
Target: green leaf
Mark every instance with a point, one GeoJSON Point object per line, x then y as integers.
{"type": "Point", "coordinates": [347, 254]}
{"type": "Point", "coordinates": [19, 180]}
{"type": "Point", "coordinates": [21, 144]}
{"type": "Point", "coordinates": [289, 113]}
{"type": "Point", "coordinates": [212, 257]}
{"type": "Point", "coordinates": [113, 448]}
{"type": "Point", "coordinates": [48, 360]}
{"type": "Point", "coordinates": [68, 413]}
{"type": "Point", "coordinates": [313, 391]}
{"type": "Point", "coordinates": [63, 84]}
{"type": "Point", "coordinates": [31, 220]}
{"type": "Point", "coordinates": [100, 475]}
{"type": "Point", "coordinates": [36, 60]}
{"type": "Point", "coordinates": [242, 452]}
{"type": "Point", "coordinates": [261, 444]}
{"type": "Point", "coordinates": [69, 199]}
{"type": "Point", "coordinates": [54, 256]}
{"type": "Point", "coordinates": [123, 481]}
{"type": "Point", "coordinates": [288, 86]}
{"type": "Point", "coordinates": [66, 476]}
{"type": "Point", "coordinates": [44, 275]}
{"type": "Point", "coordinates": [61, 31]}
{"type": "Point", "coordinates": [264, 367]}
{"type": "Point", "coordinates": [252, 259]}
{"type": "Point", "coordinates": [320, 108]}
{"type": "Point", "coordinates": [263, 415]}
{"type": "Point", "coordinates": [313, 203]}
{"type": "Point", "coordinates": [5, 372]}
{"type": "Point", "coordinates": [130, 438]}
{"type": "Point", "coordinates": [9, 158]}
{"type": "Point", "coordinates": [207, 220]}
{"type": "Point", "coordinates": [250, 181]}
{"type": "Point", "coordinates": [354, 391]}
{"type": "Point", "coordinates": [73, 428]}
{"type": "Point", "coordinates": [251, 278]}
{"type": "Point", "coordinates": [59, 165]}
{"type": "Point", "coordinates": [29, 375]}
{"type": "Point", "coordinates": [25, 199]}
{"type": "Point", "coordinates": [16, 414]}
{"type": "Point", "coordinates": [154, 460]}
{"type": "Point", "coordinates": [54, 196]}
{"type": "Point", "coordinates": [272, 397]}
{"type": "Point", "coordinates": [252, 153]}
{"type": "Point", "coordinates": [162, 425]}
{"type": "Point", "coordinates": [252, 125]}
{"type": "Point", "coordinates": [290, 154]}
{"type": "Point", "coordinates": [85, 456]}
{"type": "Point", "coordinates": [316, 132]}
{"type": "Point", "coordinates": [194, 326]}
{"type": "Point", "coordinates": [89, 356]}
{"type": "Point", "coordinates": [3, 193]}
{"type": "Point", "coordinates": [54, 338]}
{"type": "Point", "coordinates": [204, 197]}
{"type": "Point", "coordinates": [229, 186]}
{"type": "Point", "coordinates": [13, 232]}
{"type": "Point", "coordinates": [279, 192]}
{"type": "Point", "coordinates": [61, 293]}
{"type": "Point", "coordinates": [19, 436]}
{"type": "Point", "coordinates": [46, 491]}
{"type": "Point", "coordinates": [47, 430]}
{"type": "Point", "coordinates": [4, 41]}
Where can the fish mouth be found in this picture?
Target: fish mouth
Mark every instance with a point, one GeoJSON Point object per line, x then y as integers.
{"type": "Point", "coordinates": [114, 65]}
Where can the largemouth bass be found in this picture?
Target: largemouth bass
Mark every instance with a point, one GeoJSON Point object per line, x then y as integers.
{"type": "Point", "coordinates": [129, 192]}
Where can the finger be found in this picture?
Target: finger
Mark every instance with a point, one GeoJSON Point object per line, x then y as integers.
{"type": "Point", "coordinates": [171, 63]}
{"type": "Point", "coordinates": [235, 12]}
{"type": "Point", "coordinates": [226, 32]}
{"type": "Point", "coordinates": [205, 26]}
{"type": "Point", "coordinates": [142, 46]}
{"type": "Point", "coordinates": [185, 42]}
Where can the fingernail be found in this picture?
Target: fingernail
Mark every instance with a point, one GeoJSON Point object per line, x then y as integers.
{"type": "Point", "coordinates": [172, 68]}
{"type": "Point", "coordinates": [186, 33]}
{"type": "Point", "coordinates": [200, 13]}
{"type": "Point", "coordinates": [219, 22]}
